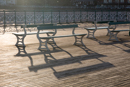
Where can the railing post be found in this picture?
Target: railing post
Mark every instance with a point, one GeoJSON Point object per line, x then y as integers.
{"type": "Point", "coordinates": [34, 17]}
{"type": "Point", "coordinates": [15, 17]}
{"type": "Point", "coordinates": [87, 16]}
{"type": "Point", "coordinates": [4, 22]}
{"type": "Point", "coordinates": [101, 15]}
{"type": "Point", "coordinates": [74, 15]}
{"type": "Point", "coordinates": [51, 16]}
{"type": "Point", "coordinates": [25, 16]}
{"type": "Point", "coordinates": [43, 16]}
{"type": "Point", "coordinates": [95, 15]}
{"type": "Point", "coordinates": [126, 15]}
{"type": "Point", "coordinates": [109, 16]}
{"type": "Point", "coordinates": [116, 15]}
{"type": "Point", "coordinates": [66, 16]}
{"type": "Point", "coordinates": [129, 29]}
{"type": "Point", "coordinates": [80, 16]}
{"type": "Point", "coordinates": [59, 17]}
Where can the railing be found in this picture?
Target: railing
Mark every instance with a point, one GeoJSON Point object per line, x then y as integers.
{"type": "Point", "coordinates": [36, 17]}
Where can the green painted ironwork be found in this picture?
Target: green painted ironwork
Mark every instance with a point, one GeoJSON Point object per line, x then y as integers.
{"type": "Point", "coordinates": [23, 18]}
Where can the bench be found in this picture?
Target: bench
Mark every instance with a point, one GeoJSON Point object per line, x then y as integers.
{"type": "Point", "coordinates": [43, 41]}
{"type": "Point", "coordinates": [113, 33]}
{"type": "Point", "coordinates": [21, 36]}
{"type": "Point", "coordinates": [92, 30]}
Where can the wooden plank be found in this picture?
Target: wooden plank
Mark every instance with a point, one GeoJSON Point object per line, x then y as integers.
{"type": "Point", "coordinates": [31, 33]}
{"type": "Point", "coordinates": [56, 27]}
{"type": "Point", "coordinates": [115, 23]}
{"type": "Point", "coordinates": [35, 25]}
{"type": "Point", "coordinates": [120, 30]}
{"type": "Point", "coordinates": [101, 22]}
{"type": "Point", "coordinates": [62, 36]}
{"type": "Point", "coordinates": [93, 28]}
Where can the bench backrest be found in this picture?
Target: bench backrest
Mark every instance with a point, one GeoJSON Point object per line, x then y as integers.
{"type": "Point", "coordinates": [101, 22]}
{"type": "Point", "coordinates": [56, 27]}
{"type": "Point", "coordinates": [115, 23]}
{"type": "Point", "coordinates": [35, 25]}
{"type": "Point", "coordinates": [31, 26]}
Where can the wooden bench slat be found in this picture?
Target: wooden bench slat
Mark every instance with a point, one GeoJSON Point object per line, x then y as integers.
{"type": "Point", "coordinates": [56, 27]}
{"type": "Point", "coordinates": [36, 25]}
{"type": "Point", "coordinates": [115, 23]}
{"type": "Point", "coordinates": [120, 30]}
{"type": "Point", "coordinates": [62, 36]}
{"type": "Point", "coordinates": [31, 33]}
{"type": "Point", "coordinates": [102, 22]}
{"type": "Point", "coordinates": [93, 28]}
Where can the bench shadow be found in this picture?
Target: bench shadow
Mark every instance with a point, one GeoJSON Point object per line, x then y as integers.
{"type": "Point", "coordinates": [82, 70]}
{"type": "Point", "coordinates": [127, 45]}
{"type": "Point", "coordinates": [51, 61]}
{"type": "Point", "coordinates": [110, 43]}
{"type": "Point", "coordinates": [113, 44]}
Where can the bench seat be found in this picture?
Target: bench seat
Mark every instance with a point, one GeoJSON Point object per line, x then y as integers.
{"type": "Point", "coordinates": [21, 35]}
{"type": "Point", "coordinates": [120, 30]}
{"type": "Point", "coordinates": [49, 37]}
{"type": "Point", "coordinates": [44, 41]}
{"type": "Point", "coordinates": [113, 33]}
{"type": "Point", "coordinates": [31, 33]}
{"type": "Point", "coordinates": [92, 30]}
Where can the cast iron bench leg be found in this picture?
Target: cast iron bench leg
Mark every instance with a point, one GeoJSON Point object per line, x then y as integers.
{"type": "Point", "coordinates": [79, 40]}
{"type": "Point", "coordinates": [91, 34]}
{"type": "Point", "coordinates": [43, 44]}
{"type": "Point", "coordinates": [108, 33]}
{"type": "Point", "coordinates": [114, 36]}
{"type": "Point", "coordinates": [20, 39]}
{"type": "Point", "coordinates": [52, 39]}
